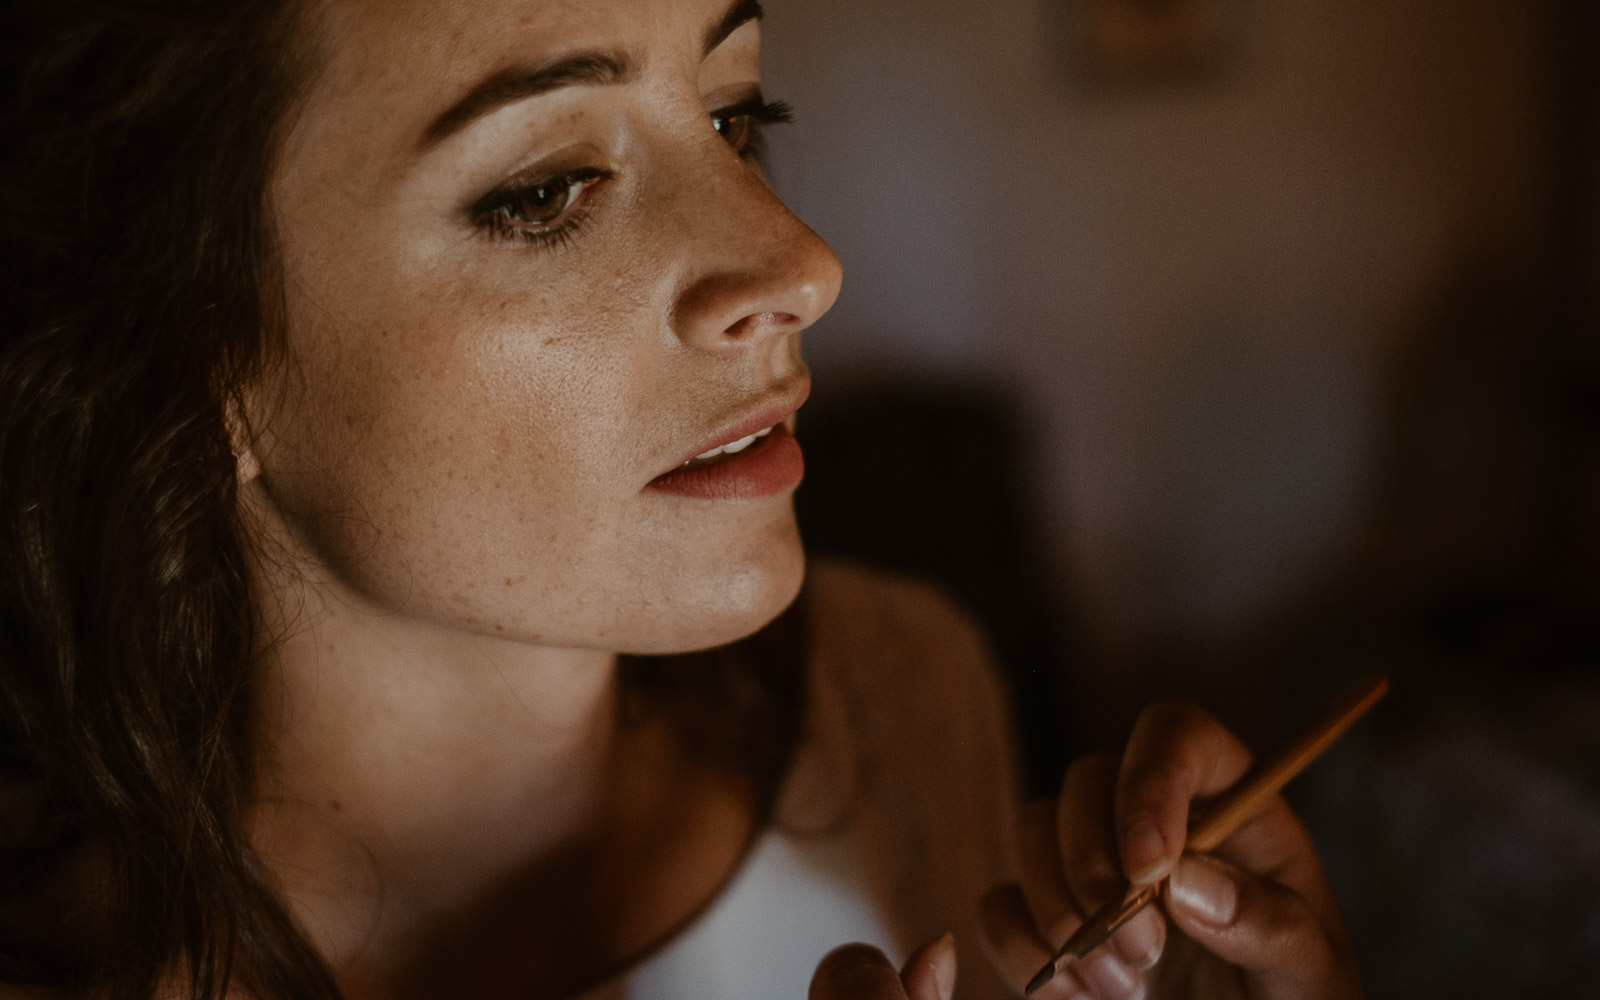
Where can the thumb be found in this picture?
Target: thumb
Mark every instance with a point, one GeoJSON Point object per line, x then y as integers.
{"type": "Point", "coordinates": [1268, 930]}
{"type": "Point", "coordinates": [930, 972]}
{"type": "Point", "coordinates": [856, 972]}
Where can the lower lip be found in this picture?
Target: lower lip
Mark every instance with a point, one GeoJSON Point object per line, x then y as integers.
{"type": "Point", "coordinates": [771, 466]}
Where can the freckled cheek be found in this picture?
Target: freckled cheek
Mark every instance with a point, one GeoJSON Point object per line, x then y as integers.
{"type": "Point", "coordinates": [567, 381]}
{"type": "Point", "coordinates": [508, 421]}
{"type": "Point", "coordinates": [497, 373]}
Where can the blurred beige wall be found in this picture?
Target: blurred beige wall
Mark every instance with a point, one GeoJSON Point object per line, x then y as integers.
{"type": "Point", "coordinates": [1193, 287]}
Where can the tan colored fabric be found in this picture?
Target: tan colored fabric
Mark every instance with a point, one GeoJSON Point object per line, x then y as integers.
{"type": "Point", "coordinates": [908, 751]}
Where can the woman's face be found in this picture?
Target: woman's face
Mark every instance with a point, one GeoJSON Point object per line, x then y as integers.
{"type": "Point", "coordinates": [530, 270]}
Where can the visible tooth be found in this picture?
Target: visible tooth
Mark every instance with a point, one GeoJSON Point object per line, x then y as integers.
{"type": "Point", "coordinates": [733, 448]}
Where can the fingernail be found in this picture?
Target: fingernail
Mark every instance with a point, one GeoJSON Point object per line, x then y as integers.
{"type": "Point", "coordinates": [1106, 976]}
{"type": "Point", "coordinates": [944, 967]}
{"type": "Point", "coordinates": [1140, 940]}
{"type": "Point", "coordinates": [1205, 890]}
{"type": "Point", "coordinates": [1144, 853]}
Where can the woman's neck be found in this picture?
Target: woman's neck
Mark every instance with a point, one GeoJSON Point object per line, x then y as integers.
{"type": "Point", "coordinates": [457, 814]}
{"type": "Point", "coordinates": [406, 771]}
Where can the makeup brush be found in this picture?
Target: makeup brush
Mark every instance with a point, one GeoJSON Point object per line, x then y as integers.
{"type": "Point", "coordinates": [1229, 812]}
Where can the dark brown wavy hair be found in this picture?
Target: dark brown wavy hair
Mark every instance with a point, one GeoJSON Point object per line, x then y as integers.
{"type": "Point", "coordinates": [136, 142]}
{"type": "Point", "coordinates": [138, 290]}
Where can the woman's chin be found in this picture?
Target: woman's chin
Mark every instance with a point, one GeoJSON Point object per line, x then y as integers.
{"type": "Point", "coordinates": [727, 608]}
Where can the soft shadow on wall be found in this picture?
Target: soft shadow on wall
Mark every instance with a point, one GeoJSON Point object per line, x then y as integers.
{"type": "Point", "coordinates": [1292, 356]}
{"type": "Point", "coordinates": [1187, 288]}
{"type": "Point", "coordinates": [924, 480]}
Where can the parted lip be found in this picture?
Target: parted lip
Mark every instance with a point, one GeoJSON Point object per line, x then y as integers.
{"type": "Point", "coordinates": [772, 409]}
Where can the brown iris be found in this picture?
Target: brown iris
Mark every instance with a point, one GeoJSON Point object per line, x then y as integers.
{"type": "Point", "coordinates": [735, 129]}
{"type": "Point", "coordinates": [541, 203]}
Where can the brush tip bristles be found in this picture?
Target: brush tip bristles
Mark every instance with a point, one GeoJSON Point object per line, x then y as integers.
{"type": "Point", "coordinates": [1041, 977]}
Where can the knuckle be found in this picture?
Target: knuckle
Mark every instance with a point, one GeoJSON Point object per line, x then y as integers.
{"type": "Point", "coordinates": [1299, 946]}
{"type": "Point", "coordinates": [1161, 779]}
{"type": "Point", "coordinates": [1290, 930]}
{"type": "Point", "coordinates": [1153, 791]}
{"type": "Point", "coordinates": [1178, 749]}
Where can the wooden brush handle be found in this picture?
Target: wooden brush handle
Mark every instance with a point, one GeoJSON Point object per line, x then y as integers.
{"type": "Point", "coordinates": [1242, 802]}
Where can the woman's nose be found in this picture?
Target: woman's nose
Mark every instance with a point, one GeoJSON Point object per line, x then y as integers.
{"type": "Point", "coordinates": [764, 273]}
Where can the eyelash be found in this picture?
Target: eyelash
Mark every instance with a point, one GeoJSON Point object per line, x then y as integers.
{"type": "Point", "coordinates": [494, 213]}
{"type": "Point", "coordinates": [760, 113]}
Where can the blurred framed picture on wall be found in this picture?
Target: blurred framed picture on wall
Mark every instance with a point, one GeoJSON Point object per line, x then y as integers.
{"type": "Point", "coordinates": [1117, 41]}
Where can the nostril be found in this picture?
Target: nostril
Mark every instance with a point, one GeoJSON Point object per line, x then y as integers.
{"type": "Point", "coordinates": [756, 323]}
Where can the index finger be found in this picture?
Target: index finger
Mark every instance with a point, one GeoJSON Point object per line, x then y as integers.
{"type": "Point", "coordinates": [1177, 753]}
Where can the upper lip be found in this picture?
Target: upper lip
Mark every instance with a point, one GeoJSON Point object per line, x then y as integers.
{"type": "Point", "coordinates": [769, 411]}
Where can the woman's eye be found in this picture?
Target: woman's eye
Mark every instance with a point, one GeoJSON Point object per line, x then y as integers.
{"type": "Point", "coordinates": [736, 129]}
{"type": "Point", "coordinates": [543, 203]}
{"type": "Point", "coordinates": [537, 209]}
{"type": "Point", "coordinates": [740, 125]}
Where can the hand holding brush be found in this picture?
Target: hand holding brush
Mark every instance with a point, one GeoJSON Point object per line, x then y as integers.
{"type": "Point", "coordinates": [1175, 818]}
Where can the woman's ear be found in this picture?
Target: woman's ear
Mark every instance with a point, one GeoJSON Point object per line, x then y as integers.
{"type": "Point", "coordinates": [241, 441]}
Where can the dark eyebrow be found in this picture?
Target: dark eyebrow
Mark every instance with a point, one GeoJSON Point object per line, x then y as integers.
{"type": "Point", "coordinates": [520, 82]}
{"type": "Point", "coordinates": [593, 68]}
{"type": "Point", "coordinates": [741, 12]}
